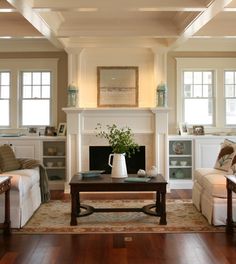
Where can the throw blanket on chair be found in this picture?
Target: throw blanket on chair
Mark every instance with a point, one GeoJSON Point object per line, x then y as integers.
{"type": "Point", "coordinates": [44, 188]}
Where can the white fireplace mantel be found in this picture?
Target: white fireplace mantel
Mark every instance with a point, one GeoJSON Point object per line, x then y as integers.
{"type": "Point", "coordinates": [149, 125]}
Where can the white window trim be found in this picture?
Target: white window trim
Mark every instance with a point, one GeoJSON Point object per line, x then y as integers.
{"type": "Point", "coordinates": [16, 66]}
{"type": "Point", "coordinates": [231, 69]}
{"type": "Point", "coordinates": [218, 65]}
{"type": "Point", "coordinates": [9, 99]}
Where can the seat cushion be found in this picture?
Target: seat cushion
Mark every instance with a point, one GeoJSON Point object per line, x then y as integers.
{"type": "Point", "coordinates": [215, 185]}
{"type": "Point", "coordinates": [32, 174]}
{"type": "Point", "coordinates": [23, 180]}
{"type": "Point", "coordinates": [200, 173]}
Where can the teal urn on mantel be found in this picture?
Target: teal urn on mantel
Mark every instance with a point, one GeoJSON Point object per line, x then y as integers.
{"type": "Point", "coordinates": [161, 95]}
{"type": "Point", "coordinates": [72, 93]}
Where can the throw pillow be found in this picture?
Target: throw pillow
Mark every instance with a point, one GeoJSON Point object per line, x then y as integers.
{"type": "Point", "coordinates": [226, 155]}
{"type": "Point", "coordinates": [8, 160]}
{"type": "Point", "coordinates": [28, 163]}
{"type": "Point", "coordinates": [232, 169]}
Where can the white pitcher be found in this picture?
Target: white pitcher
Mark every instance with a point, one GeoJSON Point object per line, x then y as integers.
{"type": "Point", "coordinates": [118, 165]}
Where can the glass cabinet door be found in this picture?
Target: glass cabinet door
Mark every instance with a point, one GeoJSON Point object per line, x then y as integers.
{"type": "Point", "coordinates": [180, 159]}
{"type": "Point", "coordinates": [54, 160]}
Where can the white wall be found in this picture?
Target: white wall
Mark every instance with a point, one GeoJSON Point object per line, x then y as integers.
{"type": "Point", "coordinates": [90, 58]}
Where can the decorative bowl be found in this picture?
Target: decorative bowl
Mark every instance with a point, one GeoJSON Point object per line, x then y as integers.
{"type": "Point", "coordinates": [173, 162]}
{"type": "Point", "coordinates": [60, 163]}
{"type": "Point", "coordinates": [49, 164]}
{"type": "Point", "coordinates": [183, 163]}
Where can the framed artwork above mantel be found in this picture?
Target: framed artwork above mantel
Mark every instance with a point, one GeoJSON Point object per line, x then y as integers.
{"type": "Point", "coordinates": [117, 86]}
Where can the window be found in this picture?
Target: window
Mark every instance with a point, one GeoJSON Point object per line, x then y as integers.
{"type": "Point", "coordinates": [230, 97]}
{"type": "Point", "coordinates": [4, 98]}
{"type": "Point", "coordinates": [198, 102]}
{"type": "Point", "coordinates": [36, 98]}
{"type": "Point", "coordinates": [27, 88]}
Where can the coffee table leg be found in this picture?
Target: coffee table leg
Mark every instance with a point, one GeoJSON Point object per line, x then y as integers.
{"type": "Point", "coordinates": [7, 221]}
{"type": "Point", "coordinates": [78, 204]}
{"type": "Point", "coordinates": [229, 220]}
{"type": "Point", "coordinates": [74, 207]}
{"type": "Point", "coordinates": [163, 208]}
{"type": "Point", "coordinates": [158, 201]}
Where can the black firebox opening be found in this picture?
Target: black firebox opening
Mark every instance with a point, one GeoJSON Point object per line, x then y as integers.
{"type": "Point", "coordinates": [98, 159]}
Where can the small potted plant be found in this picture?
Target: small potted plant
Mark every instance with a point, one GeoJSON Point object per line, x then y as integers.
{"type": "Point", "coordinates": [122, 143]}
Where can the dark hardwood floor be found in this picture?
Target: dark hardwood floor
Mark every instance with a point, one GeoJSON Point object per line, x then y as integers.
{"type": "Point", "coordinates": [184, 248]}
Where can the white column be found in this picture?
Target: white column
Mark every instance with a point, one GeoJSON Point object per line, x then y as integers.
{"type": "Point", "coordinates": [74, 66]}
{"type": "Point", "coordinates": [160, 139]}
{"type": "Point", "coordinates": [74, 144]}
{"type": "Point", "coordinates": [160, 64]}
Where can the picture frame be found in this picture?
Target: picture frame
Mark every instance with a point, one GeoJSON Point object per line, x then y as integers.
{"type": "Point", "coordinates": [49, 131]}
{"type": "Point", "coordinates": [183, 129]}
{"type": "Point", "coordinates": [61, 131]}
{"type": "Point", "coordinates": [32, 130]}
{"type": "Point", "coordinates": [117, 86]}
{"type": "Point", "coordinates": [198, 130]}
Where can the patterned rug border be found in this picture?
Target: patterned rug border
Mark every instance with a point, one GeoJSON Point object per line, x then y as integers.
{"type": "Point", "coordinates": [116, 227]}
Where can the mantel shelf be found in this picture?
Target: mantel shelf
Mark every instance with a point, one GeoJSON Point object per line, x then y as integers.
{"type": "Point", "coordinates": [115, 109]}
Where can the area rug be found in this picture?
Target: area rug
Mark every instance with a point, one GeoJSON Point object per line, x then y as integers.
{"type": "Point", "coordinates": [54, 217]}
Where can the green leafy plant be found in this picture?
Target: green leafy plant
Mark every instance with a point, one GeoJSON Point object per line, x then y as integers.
{"type": "Point", "coordinates": [121, 140]}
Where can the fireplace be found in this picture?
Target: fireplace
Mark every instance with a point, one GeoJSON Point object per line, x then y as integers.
{"type": "Point", "coordinates": [98, 159]}
{"type": "Point", "coordinates": [149, 125]}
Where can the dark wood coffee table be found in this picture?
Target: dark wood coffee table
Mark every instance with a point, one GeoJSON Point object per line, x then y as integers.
{"type": "Point", "coordinates": [104, 183]}
{"type": "Point", "coordinates": [231, 187]}
{"type": "Point", "coordinates": [5, 186]}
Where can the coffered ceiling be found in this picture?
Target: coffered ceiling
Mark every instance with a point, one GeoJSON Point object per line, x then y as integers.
{"type": "Point", "coordinates": [79, 23]}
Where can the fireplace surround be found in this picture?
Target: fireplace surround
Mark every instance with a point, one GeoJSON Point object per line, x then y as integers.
{"type": "Point", "coordinates": [149, 125]}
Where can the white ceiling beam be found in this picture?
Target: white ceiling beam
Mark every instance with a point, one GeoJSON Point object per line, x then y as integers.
{"type": "Point", "coordinates": [107, 8]}
{"type": "Point", "coordinates": [215, 8]}
{"type": "Point", "coordinates": [112, 42]}
{"type": "Point", "coordinates": [220, 36]}
{"type": "Point", "coordinates": [23, 7]}
{"type": "Point", "coordinates": [73, 4]}
{"type": "Point", "coordinates": [137, 29]}
{"type": "Point", "coordinates": [230, 9]}
{"type": "Point", "coordinates": [118, 33]}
